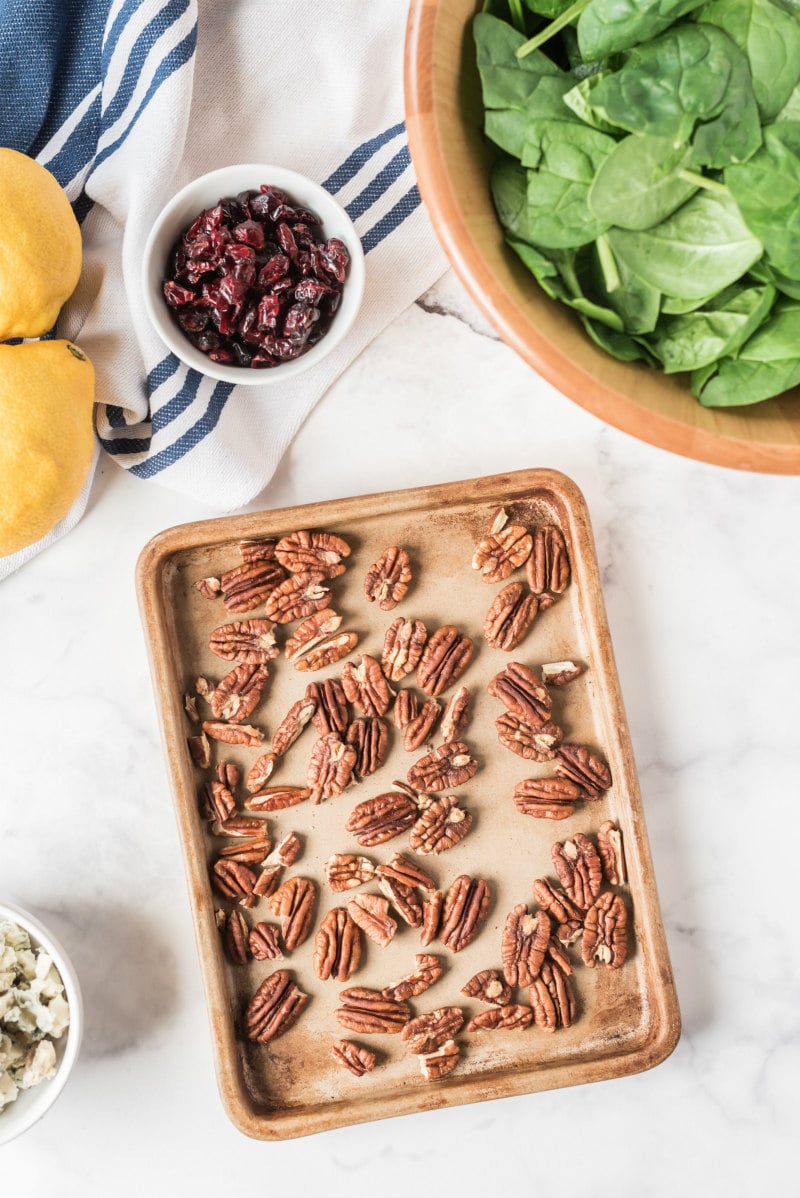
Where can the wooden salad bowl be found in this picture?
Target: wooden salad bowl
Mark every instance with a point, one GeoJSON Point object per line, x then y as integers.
{"type": "Point", "coordinates": [453, 160]}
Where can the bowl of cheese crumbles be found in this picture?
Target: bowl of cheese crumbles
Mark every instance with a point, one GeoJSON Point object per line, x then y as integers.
{"type": "Point", "coordinates": [40, 1020]}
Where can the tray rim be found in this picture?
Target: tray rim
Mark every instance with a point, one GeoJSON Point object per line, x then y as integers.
{"type": "Point", "coordinates": [279, 1124]}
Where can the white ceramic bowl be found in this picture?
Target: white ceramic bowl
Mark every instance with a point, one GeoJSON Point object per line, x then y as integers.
{"type": "Point", "coordinates": [204, 193]}
{"type": "Point", "coordinates": [30, 1105]}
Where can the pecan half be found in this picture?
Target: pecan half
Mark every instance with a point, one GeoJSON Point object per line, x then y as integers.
{"type": "Point", "coordinates": [440, 826]}
{"type": "Point", "coordinates": [260, 772]}
{"type": "Point", "coordinates": [292, 724]}
{"type": "Point", "coordinates": [488, 986]}
{"type": "Point", "coordinates": [579, 870]}
{"type": "Point", "coordinates": [510, 615]}
{"type": "Point", "coordinates": [234, 880]}
{"type": "Point", "coordinates": [435, 1065]}
{"type": "Point", "coordinates": [605, 932]}
{"type": "Point", "coordinates": [552, 999]}
{"type": "Point", "coordinates": [548, 566]}
{"type": "Point", "coordinates": [216, 802]}
{"type": "Point", "coordinates": [346, 871]}
{"type": "Point", "coordinates": [330, 714]}
{"type": "Point", "coordinates": [337, 946]}
{"type": "Point", "coordinates": [233, 927]}
{"type": "Point", "coordinates": [326, 652]}
{"type": "Point", "coordinates": [239, 692]}
{"type": "Point", "coordinates": [512, 1018]}
{"type": "Point", "coordinates": [580, 765]}
{"type": "Point", "coordinates": [277, 798]}
{"type": "Point", "coordinates": [524, 944]}
{"type": "Point", "coordinates": [313, 630]}
{"type": "Point", "coordinates": [405, 708]}
{"type": "Point", "coordinates": [404, 899]}
{"type": "Point", "coordinates": [297, 597]}
{"type": "Point", "coordinates": [466, 906]}
{"type": "Point", "coordinates": [403, 870]}
{"type": "Point", "coordinates": [523, 693]}
{"type": "Point", "coordinates": [431, 918]}
{"type": "Point", "coordinates": [293, 903]}
{"type": "Point", "coordinates": [353, 1057]}
{"type": "Point", "coordinates": [500, 553]}
{"type": "Point", "coordinates": [445, 658]}
{"type": "Point", "coordinates": [289, 849]}
{"type": "Point", "coordinates": [257, 550]}
{"type": "Point", "coordinates": [371, 913]}
{"type": "Point", "coordinates": [264, 942]}
{"type": "Point", "coordinates": [559, 673]}
{"type": "Point", "coordinates": [428, 970]}
{"type": "Point", "coordinates": [557, 954]}
{"type": "Point", "coordinates": [245, 826]}
{"type": "Point", "coordinates": [247, 585]}
{"type": "Point", "coordinates": [557, 904]}
{"type": "Point", "coordinates": [456, 715]}
{"type": "Point", "coordinates": [380, 819]}
{"type": "Point", "coordinates": [268, 881]}
{"type": "Point", "coordinates": [303, 552]}
{"type": "Point", "coordinates": [250, 851]}
{"type": "Point", "coordinates": [233, 734]}
{"type": "Point", "coordinates": [611, 852]}
{"type": "Point", "coordinates": [274, 1007]}
{"type": "Point", "coordinates": [547, 798]}
{"type": "Point", "coordinates": [209, 588]}
{"type": "Point", "coordinates": [429, 1031]}
{"type": "Point", "coordinates": [420, 728]}
{"type": "Point", "coordinates": [388, 578]}
{"type": "Point", "coordinates": [365, 686]}
{"type": "Point", "coordinates": [533, 743]}
{"type": "Point", "coordinates": [229, 774]}
{"type": "Point", "coordinates": [199, 750]}
{"type": "Point", "coordinates": [403, 647]}
{"type": "Point", "coordinates": [448, 765]}
{"type": "Point", "coordinates": [369, 736]}
{"type": "Point", "coordinates": [330, 769]}
{"type": "Point", "coordinates": [251, 641]}
{"type": "Point", "coordinates": [368, 1012]}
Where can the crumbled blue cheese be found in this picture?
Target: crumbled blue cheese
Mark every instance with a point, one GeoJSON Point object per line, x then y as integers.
{"type": "Point", "coordinates": [33, 1012]}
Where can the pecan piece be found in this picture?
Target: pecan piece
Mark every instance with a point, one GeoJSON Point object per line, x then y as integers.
{"type": "Point", "coordinates": [190, 707]}
{"type": "Point", "coordinates": [382, 818]}
{"type": "Point", "coordinates": [420, 728]}
{"type": "Point", "coordinates": [239, 692]}
{"type": "Point", "coordinates": [234, 936]}
{"type": "Point", "coordinates": [229, 774]}
{"type": "Point", "coordinates": [289, 849]}
{"type": "Point", "coordinates": [429, 1031]}
{"type": "Point", "coordinates": [330, 713]}
{"type": "Point", "coordinates": [441, 1062]}
{"type": "Point", "coordinates": [234, 880]}
{"type": "Point", "coordinates": [431, 918]}
{"type": "Point", "coordinates": [199, 750]}
{"type": "Point", "coordinates": [523, 693]}
{"type": "Point", "coordinates": [369, 736]}
{"type": "Point", "coordinates": [274, 1007]}
{"type": "Point", "coordinates": [345, 871]}
{"type": "Point", "coordinates": [260, 772]}
{"type": "Point", "coordinates": [326, 652]}
{"type": "Point", "coordinates": [557, 904]}
{"type": "Point", "coordinates": [353, 1057]}
{"type": "Point", "coordinates": [552, 998]}
{"type": "Point", "coordinates": [579, 870]}
{"type": "Point", "coordinates": [293, 903]}
{"type": "Point", "coordinates": [445, 658]}
{"type": "Point", "coordinates": [297, 597]}
{"type": "Point", "coordinates": [368, 1012]}
{"type": "Point", "coordinates": [245, 586]}
{"type": "Point", "coordinates": [330, 769]}
{"type": "Point", "coordinates": [277, 798]}
{"type": "Point", "coordinates": [547, 798]}
{"type": "Point", "coordinates": [388, 578]}
{"type": "Point", "coordinates": [268, 881]}
{"type": "Point", "coordinates": [448, 765]}
{"type": "Point", "coordinates": [499, 553]}
{"type": "Point", "coordinates": [337, 946]}
{"type": "Point", "coordinates": [404, 899]}
{"type": "Point", "coordinates": [405, 709]}
{"type": "Point", "coordinates": [440, 826]}
{"type": "Point", "coordinates": [488, 986]}
{"type": "Point", "coordinates": [216, 802]}
{"type": "Point", "coordinates": [524, 944]}
{"type": "Point", "coordinates": [612, 855]}
{"type": "Point", "coordinates": [304, 552]}
{"type": "Point", "coordinates": [512, 1018]}
{"type": "Point", "coordinates": [580, 765]}
{"type": "Point", "coordinates": [403, 647]}
{"type": "Point", "coordinates": [264, 943]}
{"type": "Point", "coordinates": [559, 673]}
{"type": "Point", "coordinates": [456, 715]}
{"type": "Point", "coordinates": [233, 734]}
{"type": "Point", "coordinates": [548, 566]}
{"type": "Point", "coordinates": [427, 971]}
{"type": "Point", "coordinates": [534, 744]}
{"type": "Point", "coordinates": [466, 906]}
{"type": "Point", "coordinates": [365, 686]}
{"type": "Point", "coordinates": [209, 588]}
{"type": "Point", "coordinates": [250, 641]}
{"type": "Point", "coordinates": [313, 630]}
{"type": "Point", "coordinates": [605, 932]}
{"type": "Point", "coordinates": [371, 913]}
{"type": "Point", "coordinates": [292, 724]}
{"type": "Point", "coordinates": [408, 872]}
{"type": "Point", "coordinates": [510, 615]}
{"type": "Point", "coordinates": [257, 550]}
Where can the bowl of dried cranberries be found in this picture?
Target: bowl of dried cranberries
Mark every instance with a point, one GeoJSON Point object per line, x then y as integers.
{"type": "Point", "coordinates": [252, 274]}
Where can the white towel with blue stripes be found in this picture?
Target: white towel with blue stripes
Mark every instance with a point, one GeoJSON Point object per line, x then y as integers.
{"type": "Point", "coordinates": [136, 97]}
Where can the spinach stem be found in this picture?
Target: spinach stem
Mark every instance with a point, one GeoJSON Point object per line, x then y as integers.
{"type": "Point", "coordinates": [517, 15]}
{"type": "Point", "coordinates": [553, 28]}
{"type": "Point", "coordinates": [702, 181]}
{"type": "Point", "coordinates": [608, 264]}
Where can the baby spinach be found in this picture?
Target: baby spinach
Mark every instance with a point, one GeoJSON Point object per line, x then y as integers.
{"type": "Point", "coordinates": [609, 26]}
{"type": "Point", "coordinates": [577, 100]}
{"type": "Point", "coordinates": [770, 38]}
{"type": "Point", "coordinates": [563, 165]}
{"type": "Point", "coordinates": [638, 185]}
{"type": "Point", "coordinates": [767, 364]}
{"type": "Point", "coordinates": [767, 190]}
{"type": "Point", "coordinates": [699, 338]}
{"type": "Point", "coordinates": [506, 81]}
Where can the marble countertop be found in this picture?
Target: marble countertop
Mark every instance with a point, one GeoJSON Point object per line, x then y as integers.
{"type": "Point", "coordinates": [702, 584]}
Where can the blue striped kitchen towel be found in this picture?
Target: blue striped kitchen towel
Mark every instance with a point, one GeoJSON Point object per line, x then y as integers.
{"type": "Point", "coordinates": [125, 101]}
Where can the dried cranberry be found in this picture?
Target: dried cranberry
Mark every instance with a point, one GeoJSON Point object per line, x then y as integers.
{"type": "Point", "coordinates": [196, 270]}
{"type": "Point", "coordinates": [233, 290]}
{"type": "Point", "coordinates": [262, 360]}
{"type": "Point", "coordinates": [332, 257]}
{"type": "Point", "coordinates": [226, 356]}
{"type": "Point", "coordinates": [304, 261]}
{"type": "Point", "coordinates": [280, 347]}
{"type": "Point", "coordinates": [310, 291]}
{"type": "Point", "coordinates": [206, 342]}
{"type": "Point", "coordinates": [298, 322]}
{"type": "Point", "coordinates": [175, 295]}
{"type": "Point", "coordinates": [192, 322]}
{"type": "Point", "coordinates": [275, 269]}
{"type": "Point", "coordinates": [251, 233]}
{"type": "Point", "coordinates": [282, 285]}
{"type": "Point", "coordinates": [241, 356]}
{"type": "Point", "coordinates": [248, 329]}
{"type": "Point", "coordinates": [286, 240]}
{"type": "Point", "coordinates": [269, 309]}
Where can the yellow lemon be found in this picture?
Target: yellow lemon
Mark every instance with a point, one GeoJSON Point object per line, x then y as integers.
{"type": "Point", "coordinates": [40, 247]}
{"type": "Point", "coordinates": [46, 437]}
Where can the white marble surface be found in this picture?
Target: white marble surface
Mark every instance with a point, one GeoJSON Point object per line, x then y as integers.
{"type": "Point", "coordinates": [702, 578]}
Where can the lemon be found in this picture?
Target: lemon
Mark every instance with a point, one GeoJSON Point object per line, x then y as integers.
{"type": "Point", "coordinates": [40, 247]}
{"type": "Point", "coordinates": [46, 437]}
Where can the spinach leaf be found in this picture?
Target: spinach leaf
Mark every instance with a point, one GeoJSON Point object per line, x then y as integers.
{"type": "Point", "coordinates": [703, 246]}
{"type": "Point", "coordinates": [770, 38]}
{"type": "Point", "coordinates": [767, 190]}
{"type": "Point", "coordinates": [791, 109]}
{"type": "Point", "coordinates": [671, 305]}
{"type": "Point", "coordinates": [577, 100]}
{"type": "Point", "coordinates": [548, 8]}
{"type": "Point", "coordinates": [768, 274]}
{"type": "Point", "coordinates": [508, 127]}
{"type": "Point", "coordinates": [564, 158]}
{"type": "Point", "coordinates": [506, 81]}
{"type": "Point", "coordinates": [699, 338]}
{"type": "Point", "coordinates": [558, 278]}
{"type": "Point", "coordinates": [638, 186]}
{"type": "Point", "coordinates": [509, 184]}
{"type": "Point", "coordinates": [609, 26]}
{"type": "Point", "coordinates": [636, 302]}
{"type": "Point", "coordinates": [768, 364]}
{"type": "Point", "coordinates": [619, 345]}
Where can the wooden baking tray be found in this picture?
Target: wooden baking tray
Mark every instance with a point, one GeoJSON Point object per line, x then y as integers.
{"type": "Point", "coordinates": [628, 1018]}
